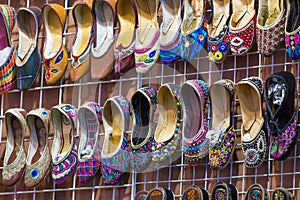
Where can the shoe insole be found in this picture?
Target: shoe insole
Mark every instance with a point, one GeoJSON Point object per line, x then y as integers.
{"type": "Point", "coordinates": [84, 20]}
{"type": "Point", "coordinates": [242, 13]}
{"type": "Point", "coordinates": [274, 11]}
{"type": "Point", "coordinates": [220, 16]}
{"type": "Point", "coordinates": [66, 128]}
{"type": "Point", "coordinates": [116, 124]}
{"type": "Point", "coordinates": [126, 16]}
{"type": "Point", "coordinates": [17, 138]}
{"type": "Point", "coordinates": [193, 11]}
{"type": "Point", "coordinates": [38, 139]}
{"type": "Point", "coordinates": [3, 34]}
{"type": "Point", "coordinates": [89, 128]}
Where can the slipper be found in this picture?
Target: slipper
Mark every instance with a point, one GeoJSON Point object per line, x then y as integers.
{"type": "Point", "coordinates": [224, 191]}
{"type": "Point", "coordinates": [195, 193]}
{"type": "Point", "coordinates": [160, 193]}
{"type": "Point", "coordinates": [141, 195]}
{"type": "Point", "coordinates": [282, 194]}
{"type": "Point", "coordinates": [256, 191]}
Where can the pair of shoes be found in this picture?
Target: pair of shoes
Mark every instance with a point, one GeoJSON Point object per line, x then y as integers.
{"type": "Point", "coordinates": [160, 193]}
{"type": "Point", "coordinates": [281, 193]}
{"type": "Point", "coordinates": [224, 191]}
{"type": "Point", "coordinates": [37, 164]}
{"type": "Point", "coordinates": [256, 191]}
{"type": "Point", "coordinates": [195, 193]}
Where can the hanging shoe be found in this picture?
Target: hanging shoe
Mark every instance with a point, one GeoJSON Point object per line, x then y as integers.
{"type": "Point", "coordinates": [55, 53]}
{"type": "Point", "coordinates": [7, 48]}
{"type": "Point", "coordinates": [125, 42]}
{"type": "Point", "coordinates": [221, 133]}
{"type": "Point", "coordinates": [81, 48]}
{"type": "Point", "coordinates": [292, 29]}
{"type": "Point", "coordinates": [270, 26]}
{"type": "Point", "coordinates": [28, 60]}
{"type": "Point", "coordinates": [170, 42]}
{"type": "Point", "coordinates": [115, 154]}
{"type": "Point", "coordinates": [224, 191]}
{"type": "Point", "coordinates": [143, 104]}
{"type": "Point", "coordinates": [194, 94]}
{"type": "Point", "coordinates": [160, 193]}
{"type": "Point", "coordinates": [102, 47]}
{"type": "Point", "coordinates": [282, 194]}
{"type": "Point", "coordinates": [253, 129]}
{"type": "Point", "coordinates": [282, 112]}
{"type": "Point", "coordinates": [195, 193]}
{"type": "Point", "coordinates": [242, 26]}
{"type": "Point", "coordinates": [64, 147]}
{"type": "Point", "coordinates": [256, 191]}
{"type": "Point", "coordinates": [193, 29]}
{"type": "Point", "coordinates": [38, 158]}
{"type": "Point", "coordinates": [147, 36]}
{"type": "Point", "coordinates": [89, 149]}
{"type": "Point", "coordinates": [218, 42]}
{"type": "Point", "coordinates": [141, 195]}
{"type": "Point", "coordinates": [15, 157]}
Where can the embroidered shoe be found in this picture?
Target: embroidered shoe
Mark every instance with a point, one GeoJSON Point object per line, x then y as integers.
{"type": "Point", "coordinates": [224, 191]}
{"type": "Point", "coordinates": [147, 36]}
{"type": "Point", "coordinates": [28, 60]}
{"type": "Point", "coordinates": [194, 94]}
{"type": "Point", "coordinates": [38, 160]}
{"type": "Point", "coordinates": [160, 193]}
{"type": "Point", "coordinates": [221, 133]}
{"type": "Point", "coordinates": [55, 53]}
{"type": "Point", "coordinates": [270, 26]}
{"type": "Point", "coordinates": [7, 48]}
{"type": "Point", "coordinates": [115, 154]}
{"type": "Point", "coordinates": [141, 195]}
{"type": "Point", "coordinates": [292, 29]}
{"type": "Point", "coordinates": [193, 29]}
{"type": "Point", "coordinates": [89, 149]}
{"type": "Point", "coordinates": [195, 193]}
{"type": "Point", "coordinates": [64, 148]}
{"type": "Point", "coordinates": [282, 113]}
{"type": "Point", "coordinates": [256, 191]}
{"type": "Point", "coordinates": [242, 26]}
{"type": "Point", "coordinates": [218, 42]}
{"type": "Point", "coordinates": [282, 194]}
{"type": "Point", "coordinates": [253, 129]}
{"type": "Point", "coordinates": [167, 136]}
{"type": "Point", "coordinates": [143, 104]}
{"type": "Point", "coordinates": [125, 42]}
{"type": "Point", "coordinates": [81, 48]}
{"type": "Point", "coordinates": [15, 157]}
{"type": "Point", "coordinates": [170, 42]}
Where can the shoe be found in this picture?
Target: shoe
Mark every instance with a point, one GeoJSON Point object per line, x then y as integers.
{"type": "Point", "coordinates": [38, 157]}
{"type": "Point", "coordinates": [170, 42]}
{"type": "Point", "coordinates": [292, 29]}
{"type": "Point", "coordinates": [256, 191]}
{"type": "Point", "coordinates": [282, 112]}
{"type": "Point", "coordinates": [194, 94]}
{"type": "Point", "coordinates": [125, 42]}
{"type": "Point", "coordinates": [143, 104]}
{"type": "Point", "coordinates": [15, 157]}
{"type": "Point", "coordinates": [64, 147]}
{"type": "Point", "coordinates": [141, 195]}
{"type": "Point", "coordinates": [218, 42]}
{"type": "Point", "coordinates": [89, 149]}
{"type": "Point", "coordinates": [224, 191]}
{"type": "Point", "coordinates": [28, 60]}
{"type": "Point", "coordinates": [7, 48]}
{"type": "Point", "coordinates": [221, 133]}
{"type": "Point", "coordinates": [102, 47]}
{"type": "Point", "coordinates": [253, 129]}
{"type": "Point", "coordinates": [81, 48]}
{"type": "Point", "coordinates": [115, 154]}
{"type": "Point", "coordinates": [147, 36]}
{"type": "Point", "coordinates": [193, 29]}
{"type": "Point", "coordinates": [55, 53]}
{"type": "Point", "coordinates": [195, 193]}
{"type": "Point", "coordinates": [270, 26]}
{"type": "Point", "coordinates": [242, 26]}
{"type": "Point", "coordinates": [282, 194]}
{"type": "Point", "coordinates": [160, 193]}
{"type": "Point", "coordinates": [167, 136]}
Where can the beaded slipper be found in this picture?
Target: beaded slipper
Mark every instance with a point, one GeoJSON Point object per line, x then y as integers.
{"type": "Point", "coordinates": [143, 103]}
{"type": "Point", "coordinates": [253, 129]}
{"type": "Point", "coordinates": [147, 36]}
{"type": "Point", "coordinates": [7, 48]}
{"type": "Point", "coordinates": [194, 94]}
{"type": "Point", "coordinates": [256, 191]}
{"type": "Point", "coordinates": [292, 29]}
{"type": "Point", "coordinates": [167, 136]}
{"type": "Point", "coordinates": [281, 104]}
{"type": "Point", "coordinates": [223, 191]}
{"type": "Point", "coordinates": [282, 194]}
{"type": "Point", "coordinates": [115, 154]}
{"type": "Point", "coordinates": [89, 149]}
{"type": "Point", "coordinates": [64, 147]}
{"type": "Point", "coordinates": [170, 42]}
{"type": "Point", "coordinates": [242, 26]}
{"type": "Point", "coordinates": [15, 157]}
{"type": "Point", "coordinates": [28, 60]}
{"type": "Point", "coordinates": [270, 26]}
{"type": "Point", "coordinates": [221, 133]}
{"type": "Point", "coordinates": [195, 193]}
{"type": "Point", "coordinates": [160, 193]}
{"type": "Point", "coordinates": [38, 158]}
{"type": "Point", "coordinates": [218, 42]}
{"type": "Point", "coordinates": [193, 29]}
{"type": "Point", "coordinates": [141, 195]}
{"type": "Point", "coordinates": [55, 53]}
{"type": "Point", "coordinates": [81, 48]}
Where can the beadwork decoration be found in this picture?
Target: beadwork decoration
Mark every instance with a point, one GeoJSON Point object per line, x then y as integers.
{"type": "Point", "coordinates": [223, 191]}
{"type": "Point", "coordinates": [195, 193]}
{"type": "Point", "coordinates": [282, 194]}
{"type": "Point", "coordinates": [256, 191]}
